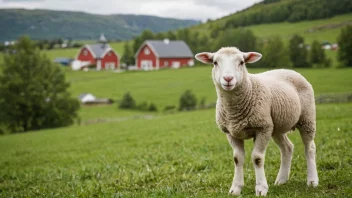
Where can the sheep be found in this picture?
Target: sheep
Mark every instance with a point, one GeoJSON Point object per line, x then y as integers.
{"type": "Point", "coordinates": [262, 106]}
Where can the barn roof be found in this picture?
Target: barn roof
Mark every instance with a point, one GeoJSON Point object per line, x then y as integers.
{"type": "Point", "coordinates": [99, 49]}
{"type": "Point", "coordinates": [170, 49]}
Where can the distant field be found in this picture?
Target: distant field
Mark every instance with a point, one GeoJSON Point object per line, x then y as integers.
{"type": "Point", "coordinates": [329, 32]}
{"type": "Point", "coordinates": [177, 155]}
{"type": "Point", "coordinates": [164, 87]}
{"type": "Point", "coordinates": [286, 30]}
{"type": "Point", "coordinates": [71, 53]}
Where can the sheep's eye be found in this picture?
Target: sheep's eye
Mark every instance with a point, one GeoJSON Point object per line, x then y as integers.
{"type": "Point", "coordinates": [241, 63]}
{"type": "Point", "coordinates": [215, 63]}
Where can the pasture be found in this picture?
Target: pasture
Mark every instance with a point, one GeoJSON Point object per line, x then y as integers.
{"type": "Point", "coordinates": [164, 87]}
{"type": "Point", "coordinates": [115, 153]}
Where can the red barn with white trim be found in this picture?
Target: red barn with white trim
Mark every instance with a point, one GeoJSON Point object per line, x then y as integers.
{"type": "Point", "coordinates": [155, 54]}
{"type": "Point", "coordinates": [100, 54]}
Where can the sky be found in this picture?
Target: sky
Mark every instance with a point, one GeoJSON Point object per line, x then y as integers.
{"type": "Point", "coordinates": [181, 9]}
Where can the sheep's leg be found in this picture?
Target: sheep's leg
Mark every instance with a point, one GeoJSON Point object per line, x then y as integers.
{"type": "Point", "coordinates": [286, 149]}
{"type": "Point", "coordinates": [258, 157]}
{"type": "Point", "coordinates": [307, 131]}
{"type": "Point", "coordinates": [239, 156]}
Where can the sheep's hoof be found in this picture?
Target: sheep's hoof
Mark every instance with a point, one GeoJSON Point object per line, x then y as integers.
{"type": "Point", "coordinates": [261, 190]}
{"type": "Point", "coordinates": [313, 183]}
{"type": "Point", "coordinates": [235, 190]}
{"type": "Point", "coordinates": [280, 181]}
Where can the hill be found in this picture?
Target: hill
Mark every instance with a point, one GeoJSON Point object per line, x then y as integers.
{"type": "Point", "coordinates": [275, 11]}
{"type": "Point", "coordinates": [47, 24]}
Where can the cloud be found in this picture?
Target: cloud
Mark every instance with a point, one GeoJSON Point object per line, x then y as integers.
{"type": "Point", "coordinates": [20, 1]}
{"type": "Point", "coordinates": [182, 9]}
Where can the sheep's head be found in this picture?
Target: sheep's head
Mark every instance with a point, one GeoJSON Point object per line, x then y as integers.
{"type": "Point", "coordinates": [229, 65]}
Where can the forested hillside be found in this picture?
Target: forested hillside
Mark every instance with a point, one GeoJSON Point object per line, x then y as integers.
{"type": "Point", "coordinates": [47, 24]}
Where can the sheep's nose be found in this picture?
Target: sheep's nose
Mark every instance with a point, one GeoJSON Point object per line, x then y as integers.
{"type": "Point", "coordinates": [228, 78]}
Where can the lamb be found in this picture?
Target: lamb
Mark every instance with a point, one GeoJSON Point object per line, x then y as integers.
{"type": "Point", "coordinates": [262, 106]}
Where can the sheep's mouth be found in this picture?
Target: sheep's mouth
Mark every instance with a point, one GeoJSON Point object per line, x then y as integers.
{"type": "Point", "coordinates": [228, 86]}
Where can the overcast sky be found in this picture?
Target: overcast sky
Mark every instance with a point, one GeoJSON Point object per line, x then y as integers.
{"type": "Point", "coordinates": [182, 9]}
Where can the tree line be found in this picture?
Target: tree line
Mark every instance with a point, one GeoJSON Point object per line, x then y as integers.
{"type": "Point", "coordinates": [276, 54]}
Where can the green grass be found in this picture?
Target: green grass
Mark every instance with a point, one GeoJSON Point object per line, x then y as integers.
{"type": "Point", "coordinates": [286, 30]}
{"type": "Point", "coordinates": [177, 155]}
{"type": "Point", "coordinates": [164, 87]}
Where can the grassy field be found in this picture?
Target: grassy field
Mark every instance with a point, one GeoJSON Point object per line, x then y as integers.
{"type": "Point", "coordinates": [176, 155]}
{"type": "Point", "coordinates": [330, 28]}
{"type": "Point", "coordinates": [329, 33]}
{"type": "Point", "coordinates": [164, 87]}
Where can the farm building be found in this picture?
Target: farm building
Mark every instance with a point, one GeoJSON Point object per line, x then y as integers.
{"type": "Point", "coordinates": [100, 56]}
{"type": "Point", "coordinates": [156, 54]}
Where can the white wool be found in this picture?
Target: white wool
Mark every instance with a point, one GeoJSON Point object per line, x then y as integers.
{"type": "Point", "coordinates": [262, 106]}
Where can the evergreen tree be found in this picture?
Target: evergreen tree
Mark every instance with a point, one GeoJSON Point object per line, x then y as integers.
{"type": "Point", "coordinates": [33, 91]}
{"type": "Point", "coordinates": [136, 44]}
{"type": "Point", "coordinates": [345, 46]}
{"type": "Point", "coordinates": [128, 56]}
{"type": "Point", "coordinates": [298, 52]}
{"type": "Point", "coordinates": [127, 102]}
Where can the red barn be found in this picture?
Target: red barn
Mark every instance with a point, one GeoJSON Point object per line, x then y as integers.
{"type": "Point", "coordinates": [155, 54]}
{"type": "Point", "coordinates": [100, 54]}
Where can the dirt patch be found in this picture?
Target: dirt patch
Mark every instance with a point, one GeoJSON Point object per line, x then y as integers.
{"type": "Point", "coordinates": [329, 26]}
{"type": "Point", "coordinates": [106, 120]}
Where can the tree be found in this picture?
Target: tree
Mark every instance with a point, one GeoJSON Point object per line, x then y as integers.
{"type": "Point", "coordinates": [244, 39]}
{"type": "Point", "coordinates": [138, 41]}
{"type": "Point", "coordinates": [33, 91]}
{"type": "Point", "coordinates": [298, 52]}
{"type": "Point", "coordinates": [344, 41]}
{"type": "Point", "coordinates": [127, 102]}
{"type": "Point", "coordinates": [317, 55]}
{"type": "Point", "coordinates": [188, 101]}
{"type": "Point", "coordinates": [137, 44]}
{"type": "Point", "coordinates": [275, 54]}
{"type": "Point", "coordinates": [171, 35]}
{"type": "Point", "coordinates": [127, 56]}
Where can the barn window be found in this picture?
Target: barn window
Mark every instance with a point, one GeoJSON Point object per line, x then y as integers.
{"type": "Point", "coordinates": [166, 63]}
{"type": "Point", "coordinates": [85, 52]}
{"type": "Point", "coordinates": [109, 54]}
{"type": "Point", "coordinates": [146, 51]}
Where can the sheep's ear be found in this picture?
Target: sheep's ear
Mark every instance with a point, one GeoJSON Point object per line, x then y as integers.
{"type": "Point", "coordinates": [205, 57]}
{"type": "Point", "coordinates": [252, 57]}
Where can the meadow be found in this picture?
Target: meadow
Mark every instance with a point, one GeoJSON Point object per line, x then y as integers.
{"type": "Point", "coordinates": [115, 153]}
{"type": "Point", "coordinates": [120, 153]}
{"type": "Point", "coordinates": [164, 87]}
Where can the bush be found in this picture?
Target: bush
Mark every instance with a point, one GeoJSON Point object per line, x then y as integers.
{"type": "Point", "coordinates": [127, 102]}
{"type": "Point", "coordinates": [317, 55]}
{"type": "Point", "coordinates": [169, 107]}
{"type": "Point", "coordinates": [34, 92]}
{"type": "Point", "coordinates": [152, 107]}
{"type": "Point", "coordinates": [188, 101]}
